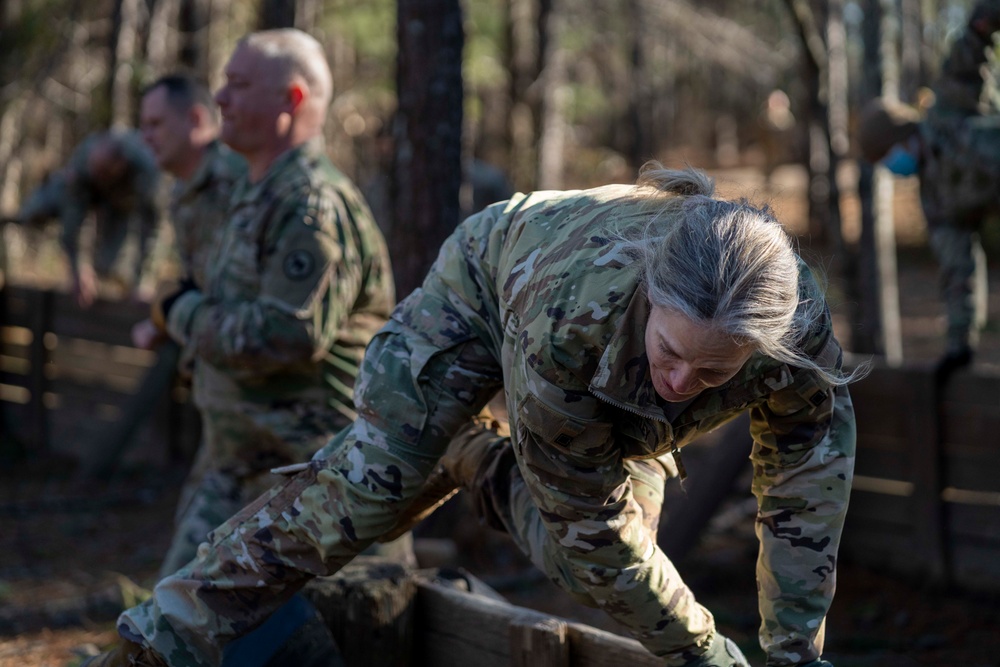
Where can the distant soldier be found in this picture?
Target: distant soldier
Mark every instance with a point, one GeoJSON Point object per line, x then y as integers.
{"type": "Point", "coordinates": [955, 152]}
{"type": "Point", "coordinates": [114, 175]}
{"type": "Point", "coordinates": [179, 122]}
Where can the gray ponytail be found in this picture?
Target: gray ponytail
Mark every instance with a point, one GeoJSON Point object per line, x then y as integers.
{"type": "Point", "coordinates": [730, 263]}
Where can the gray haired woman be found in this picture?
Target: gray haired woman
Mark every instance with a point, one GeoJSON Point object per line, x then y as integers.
{"type": "Point", "coordinates": [621, 322]}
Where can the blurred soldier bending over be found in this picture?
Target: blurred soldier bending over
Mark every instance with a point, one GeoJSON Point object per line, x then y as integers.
{"type": "Point", "coordinates": [112, 174]}
{"type": "Point", "coordinates": [955, 152]}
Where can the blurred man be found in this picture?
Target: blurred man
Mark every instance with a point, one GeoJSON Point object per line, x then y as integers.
{"type": "Point", "coordinates": [114, 175]}
{"type": "Point", "coordinates": [180, 124]}
{"type": "Point", "coordinates": [955, 152]}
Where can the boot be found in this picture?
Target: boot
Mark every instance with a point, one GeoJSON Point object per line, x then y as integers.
{"type": "Point", "coordinates": [468, 450]}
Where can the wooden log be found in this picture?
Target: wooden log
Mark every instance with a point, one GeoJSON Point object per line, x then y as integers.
{"type": "Point", "coordinates": [369, 607]}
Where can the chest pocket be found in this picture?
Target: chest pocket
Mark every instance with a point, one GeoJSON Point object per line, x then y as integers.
{"type": "Point", "coordinates": [574, 435]}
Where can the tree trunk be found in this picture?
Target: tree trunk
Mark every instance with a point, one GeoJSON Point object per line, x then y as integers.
{"type": "Point", "coordinates": [864, 286]}
{"type": "Point", "coordinates": [123, 56]}
{"type": "Point", "coordinates": [638, 145]}
{"type": "Point", "coordinates": [522, 60]}
{"type": "Point", "coordinates": [911, 29]}
{"type": "Point", "coordinates": [193, 24]}
{"type": "Point", "coordinates": [885, 233]}
{"type": "Point", "coordinates": [552, 112]}
{"type": "Point", "coordinates": [427, 173]}
{"type": "Point", "coordinates": [276, 14]}
{"type": "Point", "coordinates": [161, 44]}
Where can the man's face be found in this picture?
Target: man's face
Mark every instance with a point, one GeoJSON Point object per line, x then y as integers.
{"type": "Point", "coordinates": [165, 129]}
{"type": "Point", "coordinates": [251, 101]}
{"type": "Point", "coordinates": [687, 357]}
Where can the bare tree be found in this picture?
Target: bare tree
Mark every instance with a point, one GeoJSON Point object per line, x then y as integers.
{"type": "Point", "coordinates": [552, 99]}
{"type": "Point", "coordinates": [427, 174]}
{"type": "Point", "coordinates": [123, 57]}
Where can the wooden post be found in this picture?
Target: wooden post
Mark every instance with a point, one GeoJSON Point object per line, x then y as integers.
{"type": "Point", "coordinates": [923, 428]}
{"type": "Point", "coordinates": [538, 643]}
{"type": "Point", "coordinates": [40, 309]}
{"type": "Point", "coordinates": [368, 607]}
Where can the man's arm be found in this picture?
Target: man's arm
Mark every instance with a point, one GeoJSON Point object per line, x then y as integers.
{"type": "Point", "coordinates": [309, 277]}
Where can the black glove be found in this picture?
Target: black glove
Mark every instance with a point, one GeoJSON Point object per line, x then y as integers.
{"type": "Point", "coordinates": [164, 301]}
{"type": "Point", "coordinates": [951, 362]}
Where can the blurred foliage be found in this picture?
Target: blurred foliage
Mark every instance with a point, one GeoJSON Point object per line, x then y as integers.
{"type": "Point", "coordinates": [700, 62]}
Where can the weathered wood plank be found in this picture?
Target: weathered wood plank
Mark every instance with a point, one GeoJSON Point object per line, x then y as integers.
{"type": "Point", "coordinates": [456, 629]}
{"type": "Point", "coordinates": [539, 643]}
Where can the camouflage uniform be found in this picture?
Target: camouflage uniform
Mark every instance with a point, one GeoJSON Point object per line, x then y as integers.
{"type": "Point", "coordinates": [198, 208]}
{"type": "Point", "coordinates": [960, 182]}
{"type": "Point", "coordinates": [299, 283]}
{"type": "Point", "coordinates": [132, 200]}
{"type": "Point", "coordinates": [537, 296]}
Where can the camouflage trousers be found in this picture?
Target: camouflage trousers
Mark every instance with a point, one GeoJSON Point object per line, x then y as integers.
{"type": "Point", "coordinates": [962, 270]}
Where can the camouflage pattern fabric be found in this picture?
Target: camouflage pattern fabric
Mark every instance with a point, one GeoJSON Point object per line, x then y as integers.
{"type": "Point", "coordinates": [198, 208]}
{"type": "Point", "coordinates": [960, 179]}
{"type": "Point", "coordinates": [538, 296]}
{"type": "Point", "coordinates": [134, 201]}
{"type": "Point", "coordinates": [299, 282]}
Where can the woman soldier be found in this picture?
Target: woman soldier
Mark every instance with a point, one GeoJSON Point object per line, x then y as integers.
{"type": "Point", "coordinates": [621, 322]}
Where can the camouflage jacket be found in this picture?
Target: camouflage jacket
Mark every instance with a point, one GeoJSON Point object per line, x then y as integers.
{"type": "Point", "coordinates": [960, 161]}
{"type": "Point", "coordinates": [198, 208]}
{"type": "Point", "coordinates": [136, 193]}
{"type": "Point", "coordinates": [299, 283]}
{"type": "Point", "coordinates": [570, 332]}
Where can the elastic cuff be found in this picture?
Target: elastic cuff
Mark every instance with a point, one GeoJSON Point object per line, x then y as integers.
{"type": "Point", "coordinates": [181, 315]}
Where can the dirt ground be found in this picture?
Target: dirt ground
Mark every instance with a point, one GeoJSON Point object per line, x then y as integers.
{"type": "Point", "coordinates": [71, 555]}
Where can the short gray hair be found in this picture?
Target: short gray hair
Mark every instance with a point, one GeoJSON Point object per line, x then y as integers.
{"type": "Point", "coordinates": [729, 263]}
{"type": "Point", "coordinates": [296, 53]}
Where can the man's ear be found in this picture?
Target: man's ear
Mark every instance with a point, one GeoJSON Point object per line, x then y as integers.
{"type": "Point", "coordinates": [199, 115]}
{"type": "Point", "coordinates": [297, 94]}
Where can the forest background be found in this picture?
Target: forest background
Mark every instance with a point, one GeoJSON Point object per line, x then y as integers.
{"type": "Point", "coordinates": [557, 93]}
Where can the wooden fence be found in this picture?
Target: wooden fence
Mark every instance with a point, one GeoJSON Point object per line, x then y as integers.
{"type": "Point", "coordinates": [926, 499]}
{"type": "Point", "coordinates": [67, 374]}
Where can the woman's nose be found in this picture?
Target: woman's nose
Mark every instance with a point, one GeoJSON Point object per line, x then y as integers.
{"type": "Point", "coordinates": [683, 379]}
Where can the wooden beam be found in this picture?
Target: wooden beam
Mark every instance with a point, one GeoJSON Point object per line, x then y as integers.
{"type": "Point", "coordinates": [539, 643]}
